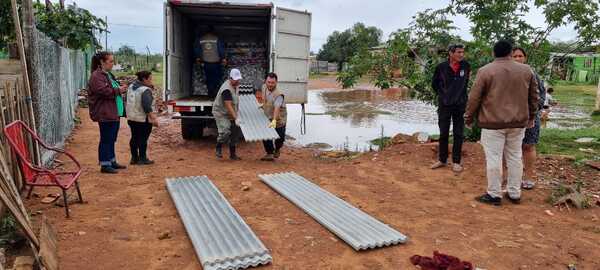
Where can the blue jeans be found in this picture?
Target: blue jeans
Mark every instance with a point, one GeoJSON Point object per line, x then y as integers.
{"type": "Point", "coordinates": [213, 73]}
{"type": "Point", "coordinates": [108, 138]}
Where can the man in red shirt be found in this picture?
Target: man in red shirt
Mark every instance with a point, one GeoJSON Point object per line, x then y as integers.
{"type": "Point", "coordinates": [450, 82]}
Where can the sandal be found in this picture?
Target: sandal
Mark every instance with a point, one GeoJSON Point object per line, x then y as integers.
{"type": "Point", "coordinates": [527, 184]}
{"type": "Point", "coordinates": [50, 198]}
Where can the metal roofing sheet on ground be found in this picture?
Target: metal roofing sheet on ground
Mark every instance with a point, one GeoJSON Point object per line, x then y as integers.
{"type": "Point", "coordinates": [354, 226]}
{"type": "Point", "coordinates": [221, 238]}
{"type": "Point", "coordinates": [254, 122]}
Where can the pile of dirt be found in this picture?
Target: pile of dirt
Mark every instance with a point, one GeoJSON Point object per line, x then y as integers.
{"type": "Point", "coordinates": [157, 92]}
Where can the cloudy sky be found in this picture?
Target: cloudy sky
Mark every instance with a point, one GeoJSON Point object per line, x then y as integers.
{"type": "Point", "coordinates": [139, 23]}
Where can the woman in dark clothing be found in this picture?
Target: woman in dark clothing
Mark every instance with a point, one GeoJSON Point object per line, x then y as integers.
{"type": "Point", "coordinates": [532, 135]}
{"type": "Point", "coordinates": [140, 117]}
{"type": "Point", "coordinates": [106, 108]}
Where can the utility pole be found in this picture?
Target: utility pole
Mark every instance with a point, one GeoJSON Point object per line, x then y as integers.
{"type": "Point", "coordinates": [148, 58]}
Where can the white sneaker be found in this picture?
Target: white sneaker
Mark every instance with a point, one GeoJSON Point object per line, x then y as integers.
{"type": "Point", "coordinates": [457, 168]}
{"type": "Point", "coordinates": [438, 165]}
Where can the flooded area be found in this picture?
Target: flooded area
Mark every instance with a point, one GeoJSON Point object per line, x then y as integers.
{"type": "Point", "coordinates": [569, 118]}
{"type": "Point", "coordinates": [350, 119]}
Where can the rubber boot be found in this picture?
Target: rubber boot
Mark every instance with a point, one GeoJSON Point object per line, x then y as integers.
{"type": "Point", "coordinates": [232, 154]}
{"type": "Point", "coordinates": [219, 150]}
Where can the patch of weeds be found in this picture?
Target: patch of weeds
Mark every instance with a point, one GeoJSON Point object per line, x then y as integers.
{"type": "Point", "coordinates": [9, 231]}
{"type": "Point", "coordinates": [557, 192]}
{"type": "Point", "coordinates": [570, 194]}
{"type": "Point", "coordinates": [77, 120]}
{"type": "Point", "coordinates": [382, 143]}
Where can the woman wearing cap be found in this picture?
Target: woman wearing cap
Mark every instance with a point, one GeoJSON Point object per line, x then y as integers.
{"type": "Point", "coordinates": [106, 108]}
{"type": "Point", "coordinates": [225, 110]}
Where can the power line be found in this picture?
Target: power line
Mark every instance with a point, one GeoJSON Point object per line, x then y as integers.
{"type": "Point", "coordinates": [135, 25]}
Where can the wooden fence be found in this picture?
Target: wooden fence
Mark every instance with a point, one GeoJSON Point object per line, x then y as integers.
{"type": "Point", "coordinates": [13, 106]}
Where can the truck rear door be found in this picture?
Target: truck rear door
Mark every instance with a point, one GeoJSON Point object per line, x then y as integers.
{"type": "Point", "coordinates": [292, 51]}
{"type": "Point", "coordinates": [173, 54]}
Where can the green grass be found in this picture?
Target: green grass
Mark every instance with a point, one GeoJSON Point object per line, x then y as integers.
{"type": "Point", "coordinates": [562, 142]}
{"type": "Point", "coordinates": [582, 96]}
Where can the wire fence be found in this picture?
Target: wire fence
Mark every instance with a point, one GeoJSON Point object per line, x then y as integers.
{"type": "Point", "coordinates": [59, 75]}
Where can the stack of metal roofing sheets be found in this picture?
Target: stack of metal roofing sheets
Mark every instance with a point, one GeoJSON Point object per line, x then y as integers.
{"type": "Point", "coordinates": [354, 226]}
{"type": "Point", "coordinates": [254, 122]}
{"type": "Point", "coordinates": [220, 236]}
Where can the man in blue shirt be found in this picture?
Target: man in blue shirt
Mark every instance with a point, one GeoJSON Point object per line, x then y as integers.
{"type": "Point", "coordinates": [210, 51]}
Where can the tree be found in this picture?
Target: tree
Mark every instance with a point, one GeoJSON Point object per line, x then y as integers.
{"type": "Point", "coordinates": [340, 46]}
{"type": "Point", "coordinates": [125, 50]}
{"type": "Point", "coordinates": [7, 28]}
{"type": "Point", "coordinates": [73, 27]}
{"type": "Point", "coordinates": [417, 49]}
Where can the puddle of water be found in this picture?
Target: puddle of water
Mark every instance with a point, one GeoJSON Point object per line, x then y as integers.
{"type": "Point", "coordinates": [569, 118]}
{"type": "Point", "coordinates": [350, 119]}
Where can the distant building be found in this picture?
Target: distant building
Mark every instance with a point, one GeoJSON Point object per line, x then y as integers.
{"type": "Point", "coordinates": [580, 67]}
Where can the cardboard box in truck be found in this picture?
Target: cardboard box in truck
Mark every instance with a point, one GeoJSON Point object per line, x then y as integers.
{"type": "Point", "coordinates": [257, 38]}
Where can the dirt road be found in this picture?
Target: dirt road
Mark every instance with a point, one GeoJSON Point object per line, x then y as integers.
{"type": "Point", "coordinates": [120, 225]}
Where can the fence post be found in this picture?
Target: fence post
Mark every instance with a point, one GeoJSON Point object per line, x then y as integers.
{"type": "Point", "coordinates": [598, 97]}
{"type": "Point", "coordinates": [28, 12]}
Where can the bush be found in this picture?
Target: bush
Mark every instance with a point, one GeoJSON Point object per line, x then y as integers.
{"type": "Point", "coordinates": [473, 134]}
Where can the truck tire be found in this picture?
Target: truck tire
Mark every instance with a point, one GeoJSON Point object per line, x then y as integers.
{"type": "Point", "coordinates": [192, 129]}
{"type": "Point", "coordinates": [187, 130]}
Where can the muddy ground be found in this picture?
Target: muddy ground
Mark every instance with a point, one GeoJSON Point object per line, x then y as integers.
{"type": "Point", "coordinates": [124, 216]}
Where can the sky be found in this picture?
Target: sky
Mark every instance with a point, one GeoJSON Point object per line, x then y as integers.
{"type": "Point", "coordinates": [139, 23]}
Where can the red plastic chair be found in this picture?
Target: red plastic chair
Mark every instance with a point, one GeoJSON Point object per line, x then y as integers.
{"type": "Point", "coordinates": [39, 176]}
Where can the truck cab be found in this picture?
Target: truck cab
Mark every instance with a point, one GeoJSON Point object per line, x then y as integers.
{"type": "Point", "coordinates": [257, 38]}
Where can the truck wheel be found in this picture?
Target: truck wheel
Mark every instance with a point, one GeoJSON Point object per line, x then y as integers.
{"type": "Point", "coordinates": [192, 129]}
{"type": "Point", "coordinates": [187, 130]}
{"type": "Point", "coordinates": [199, 132]}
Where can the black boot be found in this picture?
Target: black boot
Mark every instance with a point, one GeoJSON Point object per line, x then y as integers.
{"type": "Point", "coordinates": [118, 166]}
{"type": "Point", "coordinates": [219, 150]}
{"type": "Point", "coordinates": [232, 154]}
{"type": "Point", "coordinates": [145, 161]}
{"type": "Point", "coordinates": [108, 169]}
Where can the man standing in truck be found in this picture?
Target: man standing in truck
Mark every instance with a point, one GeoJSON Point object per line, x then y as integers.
{"type": "Point", "coordinates": [275, 110]}
{"type": "Point", "coordinates": [210, 52]}
{"type": "Point", "coordinates": [225, 110]}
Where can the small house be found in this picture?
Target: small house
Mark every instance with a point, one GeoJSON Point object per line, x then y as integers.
{"type": "Point", "coordinates": [581, 67]}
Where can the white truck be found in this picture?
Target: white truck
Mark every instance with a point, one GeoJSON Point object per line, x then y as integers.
{"type": "Point", "coordinates": [284, 34]}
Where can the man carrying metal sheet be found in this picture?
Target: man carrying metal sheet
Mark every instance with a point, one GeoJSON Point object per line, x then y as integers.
{"type": "Point", "coordinates": [225, 110]}
{"type": "Point", "coordinates": [274, 108]}
{"type": "Point", "coordinates": [210, 52]}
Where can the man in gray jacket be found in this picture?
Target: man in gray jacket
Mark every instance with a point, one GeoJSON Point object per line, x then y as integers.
{"type": "Point", "coordinates": [503, 100]}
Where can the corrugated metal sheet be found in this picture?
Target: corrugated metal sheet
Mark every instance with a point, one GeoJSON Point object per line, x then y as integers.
{"type": "Point", "coordinates": [220, 236]}
{"type": "Point", "coordinates": [354, 226]}
{"type": "Point", "coordinates": [255, 125]}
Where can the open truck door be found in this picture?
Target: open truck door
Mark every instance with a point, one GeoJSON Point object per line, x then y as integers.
{"type": "Point", "coordinates": [291, 53]}
{"type": "Point", "coordinates": [173, 82]}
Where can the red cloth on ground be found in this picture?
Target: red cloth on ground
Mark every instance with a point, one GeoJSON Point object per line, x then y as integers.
{"type": "Point", "coordinates": [440, 261]}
